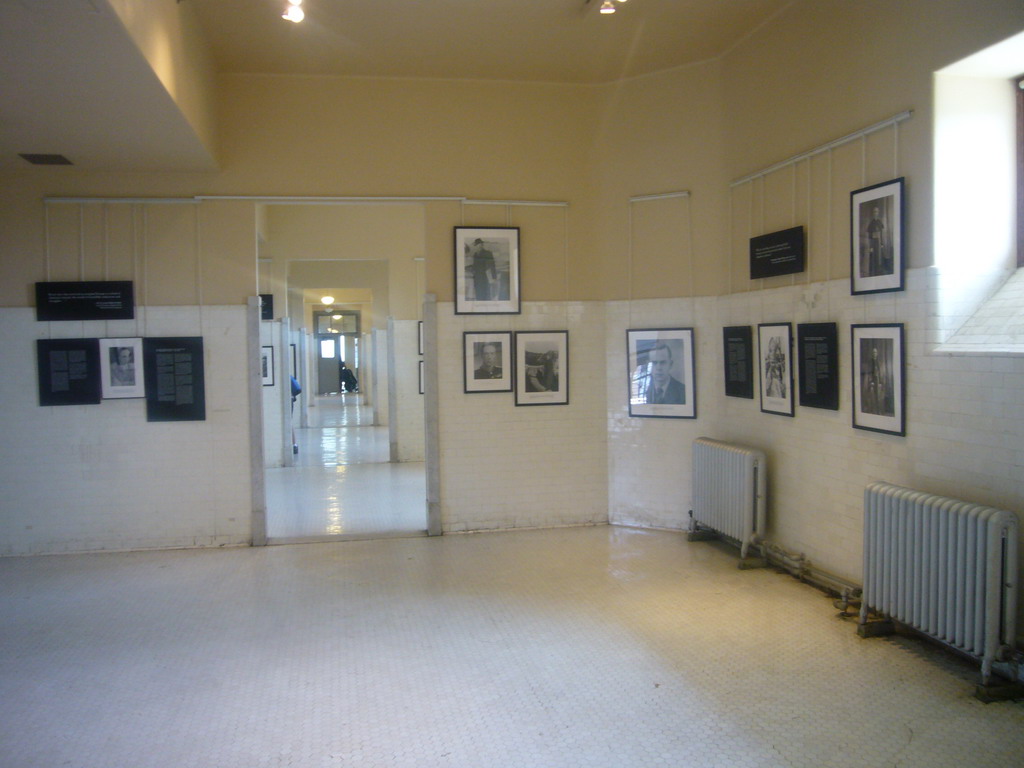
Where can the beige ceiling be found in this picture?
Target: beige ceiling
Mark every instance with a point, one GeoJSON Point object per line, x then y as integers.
{"type": "Point", "coordinates": [537, 40]}
{"type": "Point", "coordinates": [73, 82]}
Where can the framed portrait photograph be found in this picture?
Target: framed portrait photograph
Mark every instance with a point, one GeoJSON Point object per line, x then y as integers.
{"type": "Point", "coordinates": [775, 363]}
{"type": "Point", "coordinates": [421, 376]}
{"type": "Point", "coordinates": [487, 271]}
{"type": "Point", "coordinates": [661, 380]}
{"type": "Point", "coordinates": [419, 332]}
{"type": "Point", "coordinates": [487, 361]}
{"type": "Point", "coordinates": [879, 396]}
{"type": "Point", "coordinates": [542, 367]}
{"type": "Point", "coordinates": [876, 232]}
{"type": "Point", "coordinates": [267, 366]}
{"type": "Point", "coordinates": [121, 368]}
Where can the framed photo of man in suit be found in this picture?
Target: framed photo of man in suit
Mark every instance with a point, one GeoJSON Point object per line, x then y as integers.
{"type": "Point", "coordinates": [660, 373]}
{"type": "Point", "coordinates": [487, 361]}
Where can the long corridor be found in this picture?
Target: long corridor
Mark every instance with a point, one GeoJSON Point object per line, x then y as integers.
{"type": "Point", "coordinates": [342, 485]}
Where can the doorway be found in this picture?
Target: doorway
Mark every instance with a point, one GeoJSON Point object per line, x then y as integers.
{"type": "Point", "coordinates": [336, 332]}
{"type": "Point", "coordinates": [343, 483]}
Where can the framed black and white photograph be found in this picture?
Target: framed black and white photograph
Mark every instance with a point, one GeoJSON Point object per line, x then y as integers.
{"type": "Point", "coordinates": [542, 367]}
{"type": "Point", "coordinates": [121, 368]}
{"type": "Point", "coordinates": [818, 365]}
{"type": "Point", "coordinates": [419, 331]}
{"type": "Point", "coordinates": [876, 230]}
{"type": "Point", "coordinates": [487, 271]}
{"type": "Point", "coordinates": [421, 376]}
{"type": "Point", "coordinates": [660, 373]}
{"type": "Point", "coordinates": [738, 354]}
{"type": "Point", "coordinates": [879, 396]}
{"type": "Point", "coordinates": [775, 363]}
{"type": "Point", "coordinates": [487, 361]}
{"type": "Point", "coordinates": [267, 366]}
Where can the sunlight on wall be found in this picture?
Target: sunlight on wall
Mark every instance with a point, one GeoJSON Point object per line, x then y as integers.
{"type": "Point", "coordinates": [975, 157]}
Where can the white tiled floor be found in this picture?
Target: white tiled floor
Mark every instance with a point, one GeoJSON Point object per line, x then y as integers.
{"type": "Point", "coordinates": [591, 647]}
{"type": "Point", "coordinates": [341, 485]}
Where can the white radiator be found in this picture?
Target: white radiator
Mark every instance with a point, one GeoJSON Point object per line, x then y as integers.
{"type": "Point", "coordinates": [729, 490]}
{"type": "Point", "coordinates": [945, 567]}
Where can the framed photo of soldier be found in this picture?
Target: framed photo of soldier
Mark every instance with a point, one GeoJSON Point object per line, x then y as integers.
{"type": "Point", "coordinates": [121, 368]}
{"type": "Point", "coordinates": [487, 361]}
{"type": "Point", "coordinates": [879, 396]}
{"type": "Point", "coordinates": [775, 365]}
{"type": "Point", "coordinates": [487, 271]}
{"type": "Point", "coordinates": [876, 231]}
{"type": "Point", "coordinates": [542, 367]}
{"type": "Point", "coordinates": [660, 373]}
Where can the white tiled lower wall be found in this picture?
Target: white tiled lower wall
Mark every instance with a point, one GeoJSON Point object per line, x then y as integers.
{"type": "Point", "coordinates": [965, 421]}
{"type": "Point", "coordinates": [504, 466]}
{"type": "Point", "coordinates": [100, 477]}
{"type": "Point", "coordinates": [405, 425]}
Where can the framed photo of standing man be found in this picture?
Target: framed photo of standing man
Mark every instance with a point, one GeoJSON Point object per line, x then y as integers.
{"type": "Point", "coordinates": [876, 231]}
{"type": "Point", "coordinates": [487, 271]}
{"type": "Point", "coordinates": [660, 373]}
{"type": "Point", "coordinates": [879, 397]}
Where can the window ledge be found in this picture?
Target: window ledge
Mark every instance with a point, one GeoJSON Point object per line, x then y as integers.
{"type": "Point", "coordinates": [997, 327]}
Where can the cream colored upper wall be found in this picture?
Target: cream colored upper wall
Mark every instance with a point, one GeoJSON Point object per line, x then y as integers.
{"type": "Point", "coordinates": [820, 70]}
{"type": "Point", "coordinates": [391, 233]}
{"type": "Point", "coordinates": [169, 37]}
{"type": "Point", "coordinates": [658, 134]}
{"type": "Point", "coordinates": [825, 68]}
{"type": "Point", "coordinates": [370, 275]}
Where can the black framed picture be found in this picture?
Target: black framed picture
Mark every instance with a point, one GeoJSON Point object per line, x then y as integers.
{"type": "Point", "coordinates": [876, 232]}
{"type": "Point", "coordinates": [487, 361]}
{"type": "Point", "coordinates": [660, 373]}
{"type": "Point", "coordinates": [69, 371]}
{"type": "Point", "coordinates": [121, 371]}
{"type": "Point", "coordinates": [879, 395]}
{"type": "Point", "coordinates": [777, 253]}
{"type": "Point", "coordinates": [419, 336]}
{"type": "Point", "coordinates": [818, 365]}
{"type": "Point", "coordinates": [267, 366]}
{"type": "Point", "coordinates": [175, 379]}
{"type": "Point", "coordinates": [738, 353]}
{"type": "Point", "coordinates": [421, 375]}
{"type": "Point", "coordinates": [775, 360]}
{"type": "Point", "coordinates": [542, 367]}
{"type": "Point", "coordinates": [487, 271]}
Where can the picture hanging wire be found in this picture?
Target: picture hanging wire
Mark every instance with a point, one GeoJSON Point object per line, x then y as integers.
{"type": "Point", "coordinates": [826, 147]}
{"type": "Point", "coordinates": [683, 193]}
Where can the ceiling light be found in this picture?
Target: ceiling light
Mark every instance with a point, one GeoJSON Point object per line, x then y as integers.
{"type": "Point", "coordinates": [335, 317]}
{"type": "Point", "coordinates": [607, 6]}
{"type": "Point", "coordinates": [293, 11]}
{"type": "Point", "coordinates": [327, 300]}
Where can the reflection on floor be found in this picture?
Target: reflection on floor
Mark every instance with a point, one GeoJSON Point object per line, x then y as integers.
{"type": "Point", "coordinates": [597, 647]}
{"type": "Point", "coordinates": [341, 486]}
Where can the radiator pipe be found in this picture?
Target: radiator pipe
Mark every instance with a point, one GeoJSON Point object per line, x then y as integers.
{"type": "Point", "coordinates": [802, 568]}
